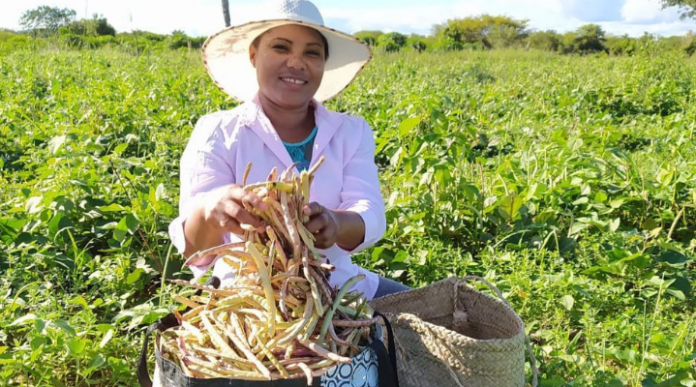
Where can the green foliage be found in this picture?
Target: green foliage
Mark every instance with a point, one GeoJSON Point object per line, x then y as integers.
{"type": "Point", "coordinates": [96, 26]}
{"type": "Point", "coordinates": [485, 30]}
{"type": "Point", "coordinates": [369, 37]}
{"type": "Point", "coordinates": [417, 43]}
{"type": "Point", "coordinates": [45, 20]}
{"type": "Point", "coordinates": [623, 45]}
{"type": "Point", "coordinates": [690, 44]}
{"type": "Point", "coordinates": [687, 7]}
{"type": "Point", "coordinates": [589, 38]}
{"type": "Point", "coordinates": [545, 40]}
{"type": "Point", "coordinates": [392, 42]}
{"type": "Point", "coordinates": [568, 181]}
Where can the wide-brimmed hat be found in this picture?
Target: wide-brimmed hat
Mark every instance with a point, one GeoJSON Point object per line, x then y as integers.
{"type": "Point", "coordinates": [226, 54]}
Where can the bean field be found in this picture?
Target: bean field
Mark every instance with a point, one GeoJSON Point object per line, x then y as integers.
{"type": "Point", "coordinates": [567, 181]}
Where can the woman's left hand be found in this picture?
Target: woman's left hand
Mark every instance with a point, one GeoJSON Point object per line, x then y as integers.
{"type": "Point", "coordinates": [323, 224]}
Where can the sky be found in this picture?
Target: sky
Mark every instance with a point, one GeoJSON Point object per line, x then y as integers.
{"type": "Point", "coordinates": [204, 17]}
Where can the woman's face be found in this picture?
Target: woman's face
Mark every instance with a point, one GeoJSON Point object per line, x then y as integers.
{"type": "Point", "coordinates": [289, 63]}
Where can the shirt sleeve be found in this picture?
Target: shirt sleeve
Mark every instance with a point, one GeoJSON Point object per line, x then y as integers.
{"type": "Point", "coordinates": [361, 189]}
{"type": "Point", "coordinates": [203, 168]}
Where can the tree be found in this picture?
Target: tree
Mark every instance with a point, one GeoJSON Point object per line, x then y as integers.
{"type": "Point", "coordinates": [46, 20]}
{"type": "Point", "coordinates": [417, 43]}
{"type": "Point", "coordinates": [687, 7]}
{"type": "Point", "coordinates": [369, 37]}
{"type": "Point", "coordinates": [590, 38]}
{"type": "Point", "coordinates": [545, 40]}
{"type": "Point", "coordinates": [483, 31]}
{"type": "Point", "coordinates": [621, 45]}
{"type": "Point", "coordinates": [226, 12]}
{"type": "Point", "coordinates": [96, 26]}
{"type": "Point", "coordinates": [392, 42]}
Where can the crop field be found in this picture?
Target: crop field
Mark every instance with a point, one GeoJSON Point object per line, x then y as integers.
{"type": "Point", "coordinates": [567, 181]}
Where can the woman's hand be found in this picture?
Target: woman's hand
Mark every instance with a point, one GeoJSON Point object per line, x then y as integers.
{"type": "Point", "coordinates": [224, 210]}
{"type": "Point", "coordinates": [323, 224]}
{"type": "Point", "coordinates": [219, 212]}
{"type": "Point", "coordinates": [333, 227]}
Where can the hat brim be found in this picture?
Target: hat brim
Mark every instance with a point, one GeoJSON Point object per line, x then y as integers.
{"type": "Point", "coordinates": [226, 58]}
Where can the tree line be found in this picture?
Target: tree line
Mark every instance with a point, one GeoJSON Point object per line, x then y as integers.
{"type": "Point", "coordinates": [46, 23]}
{"type": "Point", "coordinates": [487, 32]}
{"type": "Point", "coordinates": [483, 32]}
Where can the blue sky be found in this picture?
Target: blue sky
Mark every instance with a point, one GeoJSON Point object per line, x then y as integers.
{"type": "Point", "coordinates": [204, 17]}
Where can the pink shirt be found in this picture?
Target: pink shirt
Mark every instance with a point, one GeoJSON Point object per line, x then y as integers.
{"type": "Point", "coordinates": [224, 142]}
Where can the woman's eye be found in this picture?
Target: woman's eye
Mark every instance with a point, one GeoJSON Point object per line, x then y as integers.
{"type": "Point", "coordinates": [280, 47]}
{"type": "Point", "coordinates": [313, 53]}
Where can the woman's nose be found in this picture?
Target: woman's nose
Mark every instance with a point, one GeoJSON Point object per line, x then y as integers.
{"type": "Point", "coordinates": [295, 61]}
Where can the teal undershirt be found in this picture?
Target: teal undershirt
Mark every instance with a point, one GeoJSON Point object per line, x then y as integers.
{"type": "Point", "coordinates": [300, 152]}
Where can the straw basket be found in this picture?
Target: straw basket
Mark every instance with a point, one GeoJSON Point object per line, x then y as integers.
{"type": "Point", "coordinates": [450, 334]}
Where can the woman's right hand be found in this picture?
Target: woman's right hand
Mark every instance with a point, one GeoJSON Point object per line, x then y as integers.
{"type": "Point", "coordinates": [224, 209]}
{"type": "Point", "coordinates": [219, 212]}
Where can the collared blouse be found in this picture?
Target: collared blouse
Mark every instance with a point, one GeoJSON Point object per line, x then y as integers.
{"type": "Point", "coordinates": [223, 143]}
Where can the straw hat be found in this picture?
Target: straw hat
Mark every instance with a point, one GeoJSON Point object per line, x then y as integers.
{"type": "Point", "coordinates": [226, 54]}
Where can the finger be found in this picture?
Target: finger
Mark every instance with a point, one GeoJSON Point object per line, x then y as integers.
{"type": "Point", "coordinates": [241, 215]}
{"type": "Point", "coordinates": [313, 209]}
{"type": "Point", "coordinates": [231, 225]}
{"type": "Point", "coordinates": [317, 223]}
{"type": "Point", "coordinates": [241, 196]}
{"type": "Point", "coordinates": [322, 240]}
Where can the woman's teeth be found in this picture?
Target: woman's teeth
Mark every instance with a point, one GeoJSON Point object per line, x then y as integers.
{"type": "Point", "coordinates": [296, 81]}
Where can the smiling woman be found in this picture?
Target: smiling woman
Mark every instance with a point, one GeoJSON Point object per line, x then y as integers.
{"type": "Point", "coordinates": [280, 68]}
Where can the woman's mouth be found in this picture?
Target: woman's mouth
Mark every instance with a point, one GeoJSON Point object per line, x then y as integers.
{"type": "Point", "coordinates": [293, 80]}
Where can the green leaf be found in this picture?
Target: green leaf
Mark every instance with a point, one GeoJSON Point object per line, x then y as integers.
{"type": "Point", "coordinates": [29, 318]}
{"type": "Point", "coordinates": [600, 197]}
{"type": "Point", "coordinates": [34, 205]}
{"type": "Point", "coordinates": [40, 325]}
{"type": "Point", "coordinates": [134, 276]}
{"type": "Point", "coordinates": [128, 225]}
{"type": "Point", "coordinates": [581, 200]}
{"type": "Point", "coordinates": [114, 207]}
{"type": "Point", "coordinates": [107, 337]}
{"type": "Point", "coordinates": [678, 294]}
{"type": "Point", "coordinates": [614, 224]}
{"type": "Point", "coordinates": [77, 345]}
{"type": "Point", "coordinates": [407, 125]}
{"type": "Point", "coordinates": [97, 361]}
{"type": "Point", "coordinates": [673, 258]}
{"type": "Point", "coordinates": [79, 300]}
{"type": "Point", "coordinates": [56, 143]}
{"type": "Point", "coordinates": [62, 324]}
{"type": "Point", "coordinates": [568, 301]}
{"type": "Point", "coordinates": [577, 227]}
{"type": "Point", "coordinates": [161, 192]}
{"type": "Point", "coordinates": [120, 148]}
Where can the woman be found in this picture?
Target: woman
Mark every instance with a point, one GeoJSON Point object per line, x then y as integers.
{"type": "Point", "coordinates": [282, 68]}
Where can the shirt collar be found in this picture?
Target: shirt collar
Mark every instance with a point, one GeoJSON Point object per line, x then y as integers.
{"type": "Point", "coordinates": [328, 123]}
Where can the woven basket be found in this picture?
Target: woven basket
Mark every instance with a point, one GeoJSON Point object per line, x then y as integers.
{"type": "Point", "coordinates": [450, 334]}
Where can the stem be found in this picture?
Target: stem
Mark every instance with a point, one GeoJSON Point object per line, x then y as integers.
{"type": "Point", "coordinates": [674, 224]}
{"type": "Point", "coordinates": [140, 232]}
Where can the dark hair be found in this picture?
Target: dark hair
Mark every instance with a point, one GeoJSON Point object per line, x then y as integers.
{"type": "Point", "coordinates": [256, 42]}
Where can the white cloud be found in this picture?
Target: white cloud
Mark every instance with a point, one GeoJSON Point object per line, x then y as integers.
{"type": "Point", "coordinates": [418, 19]}
{"type": "Point", "coordinates": [648, 12]}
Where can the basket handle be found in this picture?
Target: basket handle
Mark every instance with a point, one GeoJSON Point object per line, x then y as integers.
{"type": "Point", "coordinates": [530, 352]}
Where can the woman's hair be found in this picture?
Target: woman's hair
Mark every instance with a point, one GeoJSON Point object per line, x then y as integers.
{"type": "Point", "coordinates": [256, 42]}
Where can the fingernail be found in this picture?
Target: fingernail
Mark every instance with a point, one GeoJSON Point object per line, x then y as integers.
{"type": "Point", "coordinates": [307, 210]}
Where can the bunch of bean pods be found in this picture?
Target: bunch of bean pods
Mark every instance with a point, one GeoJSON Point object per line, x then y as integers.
{"type": "Point", "coordinates": [281, 318]}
